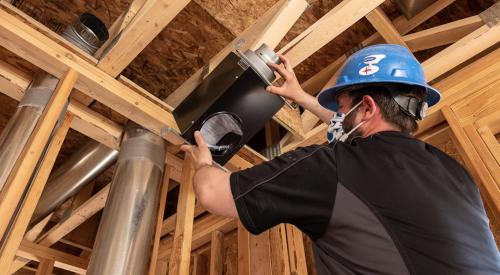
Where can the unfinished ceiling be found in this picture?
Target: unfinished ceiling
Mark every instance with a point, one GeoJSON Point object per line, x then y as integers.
{"type": "Point", "coordinates": [200, 31]}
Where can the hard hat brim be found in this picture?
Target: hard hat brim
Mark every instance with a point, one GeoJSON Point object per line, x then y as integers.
{"type": "Point", "coordinates": [328, 97]}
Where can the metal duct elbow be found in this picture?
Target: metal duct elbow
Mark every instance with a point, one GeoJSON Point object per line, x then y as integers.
{"type": "Point", "coordinates": [76, 172]}
{"type": "Point", "coordinates": [87, 33]}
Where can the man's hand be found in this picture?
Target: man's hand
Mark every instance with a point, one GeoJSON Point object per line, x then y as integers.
{"type": "Point", "coordinates": [291, 88]}
{"type": "Point", "coordinates": [200, 154]}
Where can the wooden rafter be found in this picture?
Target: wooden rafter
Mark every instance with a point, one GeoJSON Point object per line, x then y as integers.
{"type": "Point", "coordinates": [442, 35]}
{"type": "Point", "coordinates": [146, 24]}
{"type": "Point", "coordinates": [384, 27]}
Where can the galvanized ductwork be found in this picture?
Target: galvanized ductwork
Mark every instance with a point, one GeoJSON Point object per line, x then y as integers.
{"type": "Point", "coordinates": [81, 168]}
{"type": "Point", "coordinates": [125, 235]}
{"type": "Point", "coordinates": [411, 8]}
{"type": "Point", "coordinates": [87, 33]}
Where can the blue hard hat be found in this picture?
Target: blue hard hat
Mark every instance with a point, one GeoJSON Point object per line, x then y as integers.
{"type": "Point", "coordinates": [378, 65]}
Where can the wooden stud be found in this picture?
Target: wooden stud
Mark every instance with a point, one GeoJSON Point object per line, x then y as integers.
{"type": "Point", "coordinates": [280, 262]}
{"type": "Point", "coordinates": [22, 171]}
{"type": "Point", "coordinates": [13, 240]}
{"type": "Point", "coordinates": [181, 248]}
{"type": "Point", "coordinates": [243, 250]}
{"type": "Point", "coordinates": [384, 26]}
{"type": "Point", "coordinates": [202, 232]}
{"type": "Point", "coordinates": [45, 267]}
{"type": "Point", "coordinates": [161, 267]}
{"type": "Point", "coordinates": [159, 219]}
{"type": "Point", "coordinates": [217, 253]}
{"type": "Point", "coordinates": [296, 250]}
{"type": "Point", "coordinates": [199, 264]}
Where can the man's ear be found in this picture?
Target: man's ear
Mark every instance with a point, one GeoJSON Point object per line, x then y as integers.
{"type": "Point", "coordinates": [371, 108]}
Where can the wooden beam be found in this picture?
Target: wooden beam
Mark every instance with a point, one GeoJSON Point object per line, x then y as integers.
{"type": "Point", "coordinates": [45, 267]}
{"type": "Point", "coordinates": [442, 35]}
{"type": "Point", "coordinates": [15, 236]}
{"type": "Point", "coordinates": [480, 173]}
{"type": "Point", "coordinates": [120, 23]}
{"type": "Point", "coordinates": [181, 249]}
{"type": "Point", "coordinates": [168, 225]}
{"type": "Point", "coordinates": [270, 28]}
{"type": "Point", "coordinates": [23, 39]}
{"type": "Point", "coordinates": [217, 253]}
{"type": "Point", "coordinates": [462, 50]}
{"type": "Point", "coordinates": [243, 250]}
{"type": "Point", "coordinates": [384, 26]}
{"type": "Point", "coordinates": [466, 81]}
{"type": "Point", "coordinates": [280, 261]}
{"type": "Point", "coordinates": [340, 18]}
{"type": "Point", "coordinates": [199, 264]}
{"type": "Point", "coordinates": [62, 260]}
{"type": "Point", "coordinates": [404, 25]}
{"type": "Point", "coordinates": [149, 21]}
{"type": "Point", "coordinates": [20, 176]}
{"type": "Point", "coordinates": [296, 250]}
{"type": "Point", "coordinates": [159, 219]}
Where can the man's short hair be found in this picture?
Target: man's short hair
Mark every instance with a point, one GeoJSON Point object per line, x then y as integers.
{"type": "Point", "coordinates": [391, 111]}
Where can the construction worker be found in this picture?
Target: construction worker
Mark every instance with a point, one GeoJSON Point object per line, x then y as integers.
{"type": "Point", "coordinates": [375, 200]}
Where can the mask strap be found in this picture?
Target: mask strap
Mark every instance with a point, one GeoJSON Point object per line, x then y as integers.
{"type": "Point", "coordinates": [344, 137]}
{"type": "Point", "coordinates": [353, 108]}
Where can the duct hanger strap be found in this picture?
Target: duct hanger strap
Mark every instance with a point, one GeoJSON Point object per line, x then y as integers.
{"type": "Point", "coordinates": [139, 148]}
{"type": "Point", "coordinates": [491, 16]}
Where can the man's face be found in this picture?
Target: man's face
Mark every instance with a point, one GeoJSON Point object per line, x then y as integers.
{"type": "Point", "coordinates": [345, 104]}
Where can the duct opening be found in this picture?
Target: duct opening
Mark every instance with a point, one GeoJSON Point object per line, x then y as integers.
{"type": "Point", "coordinates": [222, 132]}
{"type": "Point", "coordinates": [88, 33]}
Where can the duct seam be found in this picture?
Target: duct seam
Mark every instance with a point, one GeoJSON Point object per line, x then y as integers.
{"type": "Point", "coordinates": [138, 148]}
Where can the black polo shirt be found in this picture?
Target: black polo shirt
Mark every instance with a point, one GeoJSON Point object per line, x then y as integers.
{"type": "Point", "coordinates": [386, 204]}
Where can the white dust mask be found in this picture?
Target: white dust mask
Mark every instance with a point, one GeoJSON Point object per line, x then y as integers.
{"type": "Point", "coordinates": [335, 130]}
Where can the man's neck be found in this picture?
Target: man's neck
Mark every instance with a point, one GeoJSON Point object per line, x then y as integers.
{"type": "Point", "coordinates": [381, 126]}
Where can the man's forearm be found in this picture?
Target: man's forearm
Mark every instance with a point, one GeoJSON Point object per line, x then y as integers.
{"type": "Point", "coordinates": [311, 104]}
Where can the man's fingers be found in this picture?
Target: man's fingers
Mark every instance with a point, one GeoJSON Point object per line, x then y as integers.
{"type": "Point", "coordinates": [275, 90]}
{"type": "Point", "coordinates": [280, 69]}
{"type": "Point", "coordinates": [199, 140]}
{"type": "Point", "coordinates": [187, 148]}
{"type": "Point", "coordinates": [286, 62]}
